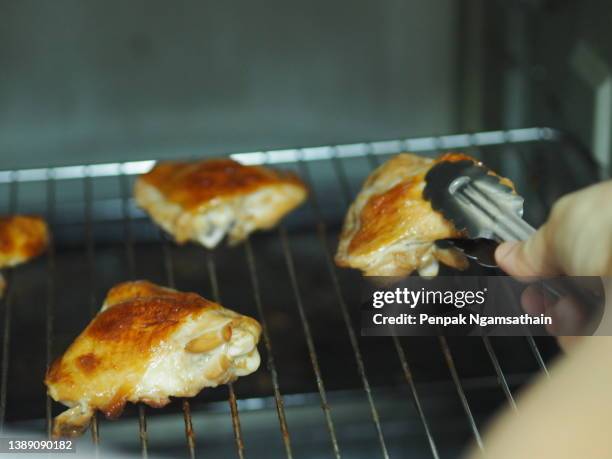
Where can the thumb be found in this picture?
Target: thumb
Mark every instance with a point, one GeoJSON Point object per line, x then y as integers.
{"type": "Point", "coordinates": [533, 257]}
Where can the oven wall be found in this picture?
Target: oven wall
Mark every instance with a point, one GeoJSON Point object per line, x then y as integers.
{"type": "Point", "coordinates": [572, 72]}
{"type": "Point", "coordinates": [542, 63]}
{"type": "Point", "coordinates": [111, 80]}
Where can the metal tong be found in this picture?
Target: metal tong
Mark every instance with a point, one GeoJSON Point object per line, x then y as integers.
{"type": "Point", "coordinates": [486, 208]}
{"type": "Point", "coordinates": [476, 201]}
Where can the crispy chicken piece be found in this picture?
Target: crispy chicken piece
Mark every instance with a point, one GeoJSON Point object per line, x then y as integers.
{"type": "Point", "coordinates": [21, 238]}
{"type": "Point", "coordinates": [390, 230]}
{"type": "Point", "coordinates": [146, 344]}
{"type": "Point", "coordinates": [203, 201]}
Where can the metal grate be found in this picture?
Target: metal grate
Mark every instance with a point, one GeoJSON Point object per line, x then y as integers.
{"type": "Point", "coordinates": [101, 237]}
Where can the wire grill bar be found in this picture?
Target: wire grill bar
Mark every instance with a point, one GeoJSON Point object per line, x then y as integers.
{"type": "Point", "coordinates": [131, 264]}
{"type": "Point", "coordinates": [322, 234]}
{"type": "Point", "coordinates": [301, 157]}
{"type": "Point", "coordinates": [450, 362]}
{"type": "Point", "coordinates": [8, 309]}
{"type": "Point", "coordinates": [278, 398]}
{"type": "Point", "coordinates": [6, 339]}
{"type": "Point", "coordinates": [501, 377]}
{"type": "Point", "coordinates": [374, 162]}
{"type": "Point", "coordinates": [343, 180]}
{"type": "Point", "coordinates": [489, 346]}
{"type": "Point", "coordinates": [189, 433]}
{"type": "Point", "coordinates": [415, 395]}
{"type": "Point", "coordinates": [170, 281]}
{"type": "Point", "coordinates": [421, 144]}
{"type": "Point", "coordinates": [538, 355]}
{"type": "Point", "coordinates": [51, 292]}
{"type": "Point", "coordinates": [212, 273]}
{"type": "Point", "coordinates": [314, 360]}
{"type": "Point", "coordinates": [90, 254]}
{"type": "Point", "coordinates": [348, 196]}
{"type": "Point", "coordinates": [447, 354]}
{"type": "Point", "coordinates": [236, 421]}
{"type": "Point", "coordinates": [438, 144]}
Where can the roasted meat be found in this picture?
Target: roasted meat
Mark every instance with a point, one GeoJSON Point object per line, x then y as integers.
{"type": "Point", "coordinates": [390, 230]}
{"type": "Point", "coordinates": [203, 201]}
{"type": "Point", "coordinates": [21, 238]}
{"type": "Point", "coordinates": [146, 344]}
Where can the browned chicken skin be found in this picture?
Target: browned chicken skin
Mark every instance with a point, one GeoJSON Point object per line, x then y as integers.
{"type": "Point", "coordinates": [21, 238]}
{"type": "Point", "coordinates": [205, 200]}
{"type": "Point", "coordinates": [390, 230]}
{"type": "Point", "coordinates": [146, 344]}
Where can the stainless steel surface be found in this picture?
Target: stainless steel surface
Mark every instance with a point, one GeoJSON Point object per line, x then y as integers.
{"type": "Point", "coordinates": [286, 279]}
{"type": "Point", "coordinates": [354, 150]}
{"type": "Point", "coordinates": [476, 201]}
{"type": "Point", "coordinates": [488, 210]}
{"type": "Point", "coordinates": [312, 353]}
{"type": "Point", "coordinates": [464, 401]}
{"type": "Point", "coordinates": [216, 296]}
{"type": "Point", "coordinates": [267, 341]}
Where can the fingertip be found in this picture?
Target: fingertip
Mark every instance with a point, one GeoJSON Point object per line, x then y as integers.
{"type": "Point", "coordinates": [533, 300]}
{"type": "Point", "coordinates": [524, 259]}
{"type": "Point", "coordinates": [505, 255]}
{"type": "Point", "coordinates": [504, 249]}
{"type": "Point", "coordinates": [570, 314]}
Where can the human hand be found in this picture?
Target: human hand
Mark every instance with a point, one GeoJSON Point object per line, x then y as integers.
{"type": "Point", "coordinates": [576, 240]}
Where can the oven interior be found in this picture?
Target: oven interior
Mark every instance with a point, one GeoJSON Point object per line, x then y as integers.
{"type": "Point", "coordinates": [92, 91]}
{"type": "Point", "coordinates": [322, 390]}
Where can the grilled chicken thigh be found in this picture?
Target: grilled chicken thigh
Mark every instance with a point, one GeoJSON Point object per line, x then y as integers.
{"type": "Point", "coordinates": [146, 344]}
{"type": "Point", "coordinates": [203, 201]}
{"type": "Point", "coordinates": [390, 230]}
{"type": "Point", "coordinates": [21, 238]}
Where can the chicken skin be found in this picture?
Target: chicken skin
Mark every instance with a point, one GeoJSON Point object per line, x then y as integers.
{"type": "Point", "coordinates": [146, 344]}
{"type": "Point", "coordinates": [21, 238]}
{"type": "Point", "coordinates": [390, 229]}
{"type": "Point", "coordinates": [204, 200]}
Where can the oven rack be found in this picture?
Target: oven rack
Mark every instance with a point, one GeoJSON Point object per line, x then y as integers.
{"type": "Point", "coordinates": [117, 209]}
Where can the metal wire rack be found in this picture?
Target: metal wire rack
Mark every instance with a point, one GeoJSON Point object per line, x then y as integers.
{"type": "Point", "coordinates": [285, 278]}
